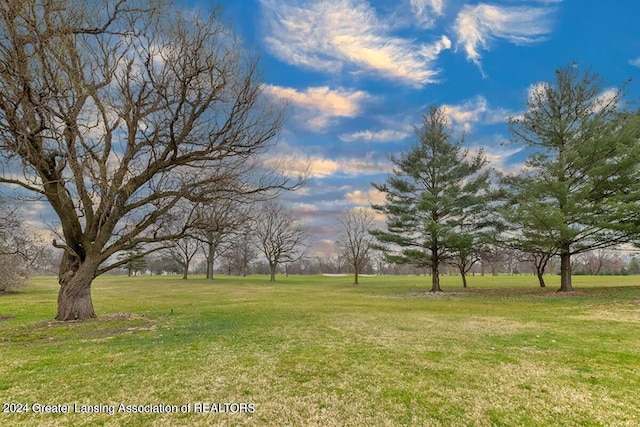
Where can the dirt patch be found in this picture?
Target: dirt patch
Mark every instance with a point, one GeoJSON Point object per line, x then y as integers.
{"type": "Point", "coordinates": [429, 294]}
{"type": "Point", "coordinates": [567, 294]}
{"type": "Point", "coordinates": [6, 317]}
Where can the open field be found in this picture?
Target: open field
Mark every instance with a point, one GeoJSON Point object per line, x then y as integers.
{"type": "Point", "coordinates": [319, 351]}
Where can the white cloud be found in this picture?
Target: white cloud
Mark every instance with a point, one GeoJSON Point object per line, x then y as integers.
{"type": "Point", "coordinates": [499, 156]}
{"type": "Point", "coordinates": [609, 98]}
{"type": "Point", "coordinates": [635, 62]}
{"type": "Point", "coordinates": [318, 107]}
{"type": "Point", "coordinates": [384, 135]}
{"type": "Point", "coordinates": [427, 11]}
{"type": "Point", "coordinates": [371, 196]}
{"type": "Point", "coordinates": [317, 166]}
{"type": "Point", "coordinates": [476, 110]}
{"type": "Point", "coordinates": [304, 209]}
{"type": "Point", "coordinates": [331, 35]}
{"type": "Point", "coordinates": [476, 25]}
{"type": "Point", "coordinates": [537, 90]}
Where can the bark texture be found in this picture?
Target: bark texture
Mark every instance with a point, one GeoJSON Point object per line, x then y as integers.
{"type": "Point", "coordinates": [565, 272]}
{"type": "Point", "coordinates": [74, 295]}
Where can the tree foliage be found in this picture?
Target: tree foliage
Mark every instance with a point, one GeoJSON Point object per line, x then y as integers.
{"type": "Point", "coordinates": [136, 262]}
{"type": "Point", "coordinates": [114, 112]}
{"type": "Point", "coordinates": [581, 189]}
{"type": "Point", "coordinates": [437, 191]}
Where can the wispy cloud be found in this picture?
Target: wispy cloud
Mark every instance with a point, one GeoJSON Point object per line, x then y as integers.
{"type": "Point", "coordinates": [477, 25]}
{"type": "Point", "coordinates": [318, 166]}
{"type": "Point", "coordinates": [332, 35]}
{"type": "Point", "coordinates": [383, 135]}
{"type": "Point", "coordinates": [476, 110]}
{"type": "Point", "coordinates": [427, 11]}
{"type": "Point", "coordinates": [635, 62]}
{"type": "Point", "coordinates": [316, 108]}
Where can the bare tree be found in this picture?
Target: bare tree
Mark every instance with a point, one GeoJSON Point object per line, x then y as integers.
{"type": "Point", "coordinates": [183, 250]}
{"type": "Point", "coordinates": [12, 265]}
{"type": "Point", "coordinates": [467, 251]}
{"type": "Point", "coordinates": [215, 224]}
{"type": "Point", "coordinates": [355, 242]}
{"type": "Point", "coordinates": [494, 256]}
{"type": "Point", "coordinates": [240, 253]}
{"type": "Point", "coordinates": [114, 112]}
{"type": "Point", "coordinates": [22, 251]}
{"type": "Point", "coordinates": [281, 237]}
{"type": "Point", "coordinates": [600, 261]}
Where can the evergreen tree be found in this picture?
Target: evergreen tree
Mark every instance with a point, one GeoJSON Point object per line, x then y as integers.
{"type": "Point", "coordinates": [135, 261]}
{"type": "Point", "coordinates": [581, 189]}
{"type": "Point", "coordinates": [436, 191]}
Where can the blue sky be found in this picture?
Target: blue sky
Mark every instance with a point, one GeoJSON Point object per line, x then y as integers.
{"type": "Point", "coordinates": [359, 74]}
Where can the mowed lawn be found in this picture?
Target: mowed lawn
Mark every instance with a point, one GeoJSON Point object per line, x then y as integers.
{"type": "Point", "coordinates": [318, 351]}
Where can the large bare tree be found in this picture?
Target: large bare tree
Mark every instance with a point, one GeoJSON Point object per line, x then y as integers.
{"type": "Point", "coordinates": [355, 242]}
{"type": "Point", "coordinates": [280, 236]}
{"type": "Point", "coordinates": [116, 111]}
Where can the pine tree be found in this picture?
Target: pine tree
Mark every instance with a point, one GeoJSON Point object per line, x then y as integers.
{"type": "Point", "coordinates": [436, 191]}
{"type": "Point", "coordinates": [581, 187]}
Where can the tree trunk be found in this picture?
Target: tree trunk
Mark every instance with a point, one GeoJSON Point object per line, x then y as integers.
{"type": "Point", "coordinates": [74, 296]}
{"type": "Point", "coordinates": [435, 278]}
{"type": "Point", "coordinates": [464, 277]}
{"type": "Point", "coordinates": [355, 276]}
{"type": "Point", "coordinates": [435, 264]}
{"type": "Point", "coordinates": [185, 271]}
{"type": "Point", "coordinates": [565, 271]}
{"type": "Point", "coordinates": [540, 275]}
{"type": "Point", "coordinates": [210, 261]}
{"type": "Point", "coordinates": [541, 265]}
{"type": "Point", "coordinates": [272, 269]}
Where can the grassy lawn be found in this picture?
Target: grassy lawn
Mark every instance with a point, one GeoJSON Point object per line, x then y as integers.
{"type": "Point", "coordinates": [319, 351]}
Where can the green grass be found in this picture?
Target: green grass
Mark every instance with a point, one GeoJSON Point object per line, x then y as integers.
{"type": "Point", "coordinates": [319, 351]}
